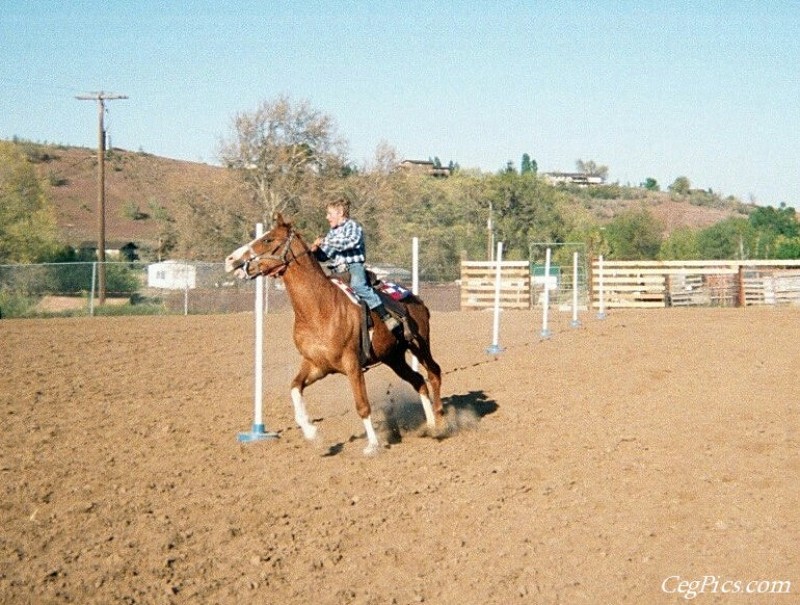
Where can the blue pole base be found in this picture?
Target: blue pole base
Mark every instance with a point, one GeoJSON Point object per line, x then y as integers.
{"type": "Point", "coordinates": [495, 350]}
{"type": "Point", "coordinates": [545, 333]}
{"type": "Point", "coordinates": [257, 434]}
{"type": "Point", "coordinates": [601, 315]}
{"type": "Point", "coordinates": [575, 323]}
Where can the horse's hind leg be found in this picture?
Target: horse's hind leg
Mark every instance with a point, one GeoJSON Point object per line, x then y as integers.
{"type": "Point", "coordinates": [306, 375]}
{"type": "Point", "coordinates": [403, 370]}
{"type": "Point", "coordinates": [423, 353]}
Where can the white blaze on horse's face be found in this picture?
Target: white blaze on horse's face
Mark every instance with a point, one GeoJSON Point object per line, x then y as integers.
{"type": "Point", "coordinates": [238, 257]}
{"type": "Point", "coordinates": [247, 262]}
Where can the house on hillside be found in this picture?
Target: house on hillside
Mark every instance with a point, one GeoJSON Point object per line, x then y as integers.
{"type": "Point", "coordinates": [425, 167]}
{"type": "Point", "coordinates": [115, 250]}
{"type": "Point", "coordinates": [581, 179]}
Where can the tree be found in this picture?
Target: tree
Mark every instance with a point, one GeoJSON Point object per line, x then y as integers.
{"type": "Point", "coordinates": [591, 168]}
{"type": "Point", "coordinates": [208, 226]}
{"type": "Point", "coordinates": [778, 221]}
{"type": "Point", "coordinates": [525, 210]}
{"type": "Point", "coordinates": [634, 235]}
{"type": "Point", "coordinates": [680, 186]}
{"type": "Point", "coordinates": [285, 153]}
{"type": "Point", "coordinates": [680, 245]}
{"type": "Point", "coordinates": [730, 238]}
{"type": "Point", "coordinates": [787, 247]}
{"type": "Point", "coordinates": [651, 184]}
{"type": "Point", "coordinates": [28, 230]}
{"type": "Point", "coordinates": [528, 165]}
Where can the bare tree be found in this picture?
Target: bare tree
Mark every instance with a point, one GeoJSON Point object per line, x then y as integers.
{"type": "Point", "coordinates": [284, 152]}
{"type": "Point", "coordinates": [591, 168]}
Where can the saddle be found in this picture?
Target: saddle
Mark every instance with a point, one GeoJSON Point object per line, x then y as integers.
{"type": "Point", "coordinates": [391, 296]}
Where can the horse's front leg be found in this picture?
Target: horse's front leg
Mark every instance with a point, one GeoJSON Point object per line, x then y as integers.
{"type": "Point", "coordinates": [359, 387]}
{"type": "Point", "coordinates": [308, 374]}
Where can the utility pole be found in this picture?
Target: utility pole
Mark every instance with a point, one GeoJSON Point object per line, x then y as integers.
{"type": "Point", "coordinates": [101, 97]}
{"type": "Point", "coordinates": [490, 233]}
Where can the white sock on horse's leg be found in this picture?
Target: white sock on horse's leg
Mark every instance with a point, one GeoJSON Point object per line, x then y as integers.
{"type": "Point", "coordinates": [430, 420]}
{"type": "Point", "coordinates": [372, 439]}
{"type": "Point", "coordinates": [301, 416]}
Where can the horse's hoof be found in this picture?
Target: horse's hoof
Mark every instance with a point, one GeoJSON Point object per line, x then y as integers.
{"type": "Point", "coordinates": [310, 432]}
{"type": "Point", "coordinates": [372, 449]}
{"type": "Point", "coordinates": [440, 430]}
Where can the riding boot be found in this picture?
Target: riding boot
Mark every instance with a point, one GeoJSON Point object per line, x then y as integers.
{"type": "Point", "coordinates": [408, 334]}
{"type": "Point", "coordinates": [391, 323]}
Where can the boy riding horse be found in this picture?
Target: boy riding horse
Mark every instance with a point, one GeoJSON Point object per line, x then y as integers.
{"type": "Point", "coordinates": [344, 248]}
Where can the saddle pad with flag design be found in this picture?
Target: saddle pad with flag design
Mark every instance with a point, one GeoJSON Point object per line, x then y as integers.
{"type": "Point", "coordinates": [396, 291]}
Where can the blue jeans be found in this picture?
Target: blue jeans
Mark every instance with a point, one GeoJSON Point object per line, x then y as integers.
{"type": "Point", "coordinates": [358, 282]}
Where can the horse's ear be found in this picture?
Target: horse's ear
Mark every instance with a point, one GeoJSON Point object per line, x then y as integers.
{"type": "Point", "coordinates": [279, 221]}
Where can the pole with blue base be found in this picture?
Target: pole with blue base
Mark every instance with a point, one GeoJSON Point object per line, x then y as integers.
{"type": "Point", "coordinates": [258, 431]}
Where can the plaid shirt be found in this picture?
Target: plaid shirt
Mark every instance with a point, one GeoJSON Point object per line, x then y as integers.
{"type": "Point", "coordinates": [344, 244]}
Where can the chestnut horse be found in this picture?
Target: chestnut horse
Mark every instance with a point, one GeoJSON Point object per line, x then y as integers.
{"type": "Point", "coordinates": [327, 329]}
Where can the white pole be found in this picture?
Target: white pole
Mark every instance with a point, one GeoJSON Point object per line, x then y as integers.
{"type": "Point", "coordinates": [258, 432]}
{"type": "Point", "coordinates": [601, 314]}
{"type": "Point", "coordinates": [546, 303]}
{"type": "Point", "coordinates": [258, 368]}
{"type": "Point", "coordinates": [495, 348]}
{"type": "Point", "coordinates": [575, 323]}
{"type": "Point", "coordinates": [415, 284]}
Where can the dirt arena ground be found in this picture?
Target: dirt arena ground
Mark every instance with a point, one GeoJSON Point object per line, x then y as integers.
{"type": "Point", "coordinates": [625, 461]}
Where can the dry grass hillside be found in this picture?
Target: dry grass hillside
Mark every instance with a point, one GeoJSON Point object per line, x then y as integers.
{"type": "Point", "coordinates": [141, 186]}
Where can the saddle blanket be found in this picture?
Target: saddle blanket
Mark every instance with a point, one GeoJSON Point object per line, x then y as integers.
{"type": "Point", "coordinates": [345, 288]}
{"type": "Point", "coordinates": [396, 291]}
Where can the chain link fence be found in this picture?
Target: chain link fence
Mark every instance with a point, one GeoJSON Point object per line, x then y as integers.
{"type": "Point", "coordinates": [165, 288]}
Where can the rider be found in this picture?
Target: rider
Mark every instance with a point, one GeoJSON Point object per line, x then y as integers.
{"type": "Point", "coordinates": [344, 247]}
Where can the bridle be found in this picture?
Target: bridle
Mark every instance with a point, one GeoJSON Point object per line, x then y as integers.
{"type": "Point", "coordinates": [285, 257]}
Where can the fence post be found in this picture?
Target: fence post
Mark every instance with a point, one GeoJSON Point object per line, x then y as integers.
{"type": "Point", "coordinates": [741, 298]}
{"type": "Point", "coordinates": [601, 313]}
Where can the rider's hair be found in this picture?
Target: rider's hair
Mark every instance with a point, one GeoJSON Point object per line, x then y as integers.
{"type": "Point", "coordinates": [342, 203]}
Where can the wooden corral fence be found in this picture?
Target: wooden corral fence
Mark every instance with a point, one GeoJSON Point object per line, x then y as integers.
{"type": "Point", "coordinates": [478, 279]}
{"type": "Point", "coordinates": [652, 284]}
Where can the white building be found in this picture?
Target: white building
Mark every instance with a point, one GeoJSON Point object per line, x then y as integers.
{"type": "Point", "coordinates": [172, 275]}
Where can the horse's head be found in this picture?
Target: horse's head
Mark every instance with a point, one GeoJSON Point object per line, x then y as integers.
{"type": "Point", "coordinates": [269, 254]}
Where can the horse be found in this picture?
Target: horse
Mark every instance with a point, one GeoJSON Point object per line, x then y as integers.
{"type": "Point", "coordinates": [328, 329]}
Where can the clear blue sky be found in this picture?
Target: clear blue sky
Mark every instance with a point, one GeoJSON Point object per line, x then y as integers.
{"type": "Point", "coordinates": [704, 89]}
